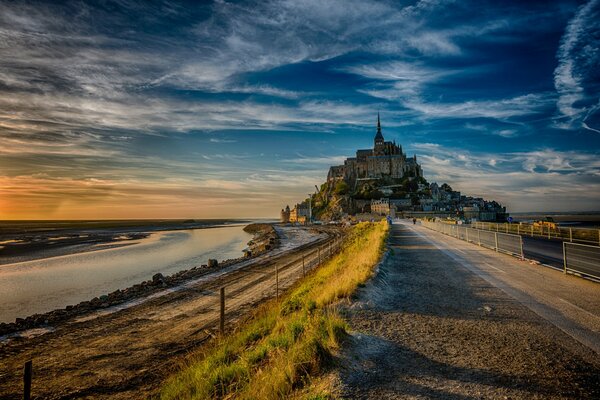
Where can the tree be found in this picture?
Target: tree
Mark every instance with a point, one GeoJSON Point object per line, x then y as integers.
{"type": "Point", "coordinates": [341, 188]}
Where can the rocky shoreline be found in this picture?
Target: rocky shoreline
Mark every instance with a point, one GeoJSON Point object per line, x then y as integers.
{"type": "Point", "coordinates": [265, 239]}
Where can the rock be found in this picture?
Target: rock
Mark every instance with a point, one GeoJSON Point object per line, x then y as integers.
{"type": "Point", "coordinates": [212, 263]}
{"type": "Point", "coordinates": [158, 278]}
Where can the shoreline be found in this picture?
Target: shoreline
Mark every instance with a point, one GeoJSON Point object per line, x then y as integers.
{"type": "Point", "coordinates": [27, 246]}
{"type": "Point", "coordinates": [137, 291]}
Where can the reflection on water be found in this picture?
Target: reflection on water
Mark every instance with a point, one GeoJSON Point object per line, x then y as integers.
{"type": "Point", "coordinates": [43, 285]}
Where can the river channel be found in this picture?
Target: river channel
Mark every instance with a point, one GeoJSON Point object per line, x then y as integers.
{"type": "Point", "coordinates": [46, 284]}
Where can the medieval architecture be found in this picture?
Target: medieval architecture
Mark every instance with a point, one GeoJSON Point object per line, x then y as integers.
{"type": "Point", "coordinates": [386, 159]}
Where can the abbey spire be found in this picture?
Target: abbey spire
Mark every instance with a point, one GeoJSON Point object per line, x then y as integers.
{"type": "Point", "coordinates": [378, 136]}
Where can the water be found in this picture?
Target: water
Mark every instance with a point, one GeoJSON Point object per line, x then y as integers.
{"type": "Point", "coordinates": [43, 285]}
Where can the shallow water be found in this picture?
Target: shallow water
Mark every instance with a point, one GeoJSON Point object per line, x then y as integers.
{"type": "Point", "coordinates": [43, 285]}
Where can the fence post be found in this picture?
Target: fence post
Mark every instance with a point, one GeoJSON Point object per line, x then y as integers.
{"type": "Point", "coordinates": [521, 243]}
{"type": "Point", "coordinates": [518, 229]}
{"type": "Point", "coordinates": [531, 230]}
{"type": "Point", "coordinates": [479, 236]}
{"type": "Point", "coordinates": [27, 374]}
{"type": "Point", "coordinates": [222, 315]}
{"type": "Point", "coordinates": [571, 235]}
{"type": "Point", "coordinates": [496, 237]}
{"type": "Point", "coordinates": [548, 232]}
{"type": "Point", "coordinates": [564, 258]}
{"type": "Point", "coordinates": [277, 282]}
{"type": "Point", "coordinates": [467, 233]}
{"type": "Point", "coordinates": [303, 272]}
{"type": "Point", "coordinates": [506, 228]}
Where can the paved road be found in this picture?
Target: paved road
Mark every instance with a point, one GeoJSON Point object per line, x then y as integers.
{"type": "Point", "coordinates": [547, 251]}
{"type": "Point", "coordinates": [447, 319]}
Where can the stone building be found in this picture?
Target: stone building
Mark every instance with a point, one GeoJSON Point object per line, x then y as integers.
{"type": "Point", "coordinates": [285, 215]}
{"type": "Point", "coordinates": [385, 159]}
{"type": "Point", "coordinates": [300, 213]}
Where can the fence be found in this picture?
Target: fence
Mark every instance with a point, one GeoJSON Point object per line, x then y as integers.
{"type": "Point", "coordinates": [582, 259]}
{"type": "Point", "coordinates": [501, 242]}
{"type": "Point", "coordinates": [580, 235]}
{"type": "Point", "coordinates": [279, 276]}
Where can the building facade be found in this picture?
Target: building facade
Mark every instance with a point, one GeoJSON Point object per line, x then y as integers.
{"type": "Point", "coordinates": [385, 159]}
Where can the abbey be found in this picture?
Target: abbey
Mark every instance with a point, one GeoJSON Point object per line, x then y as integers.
{"type": "Point", "coordinates": [386, 159]}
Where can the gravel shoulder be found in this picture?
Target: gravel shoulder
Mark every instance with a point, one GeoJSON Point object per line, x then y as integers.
{"type": "Point", "coordinates": [427, 327]}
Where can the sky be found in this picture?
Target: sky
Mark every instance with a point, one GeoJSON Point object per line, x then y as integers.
{"type": "Point", "coordinates": [163, 109]}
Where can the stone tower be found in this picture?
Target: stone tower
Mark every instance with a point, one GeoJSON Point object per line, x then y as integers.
{"type": "Point", "coordinates": [379, 140]}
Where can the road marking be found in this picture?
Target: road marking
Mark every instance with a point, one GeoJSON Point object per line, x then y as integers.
{"type": "Point", "coordinates": [578, 308]}
{"type": "Point", "coordinates": [491, 266]}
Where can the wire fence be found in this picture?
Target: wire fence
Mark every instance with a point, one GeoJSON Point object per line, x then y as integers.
{"type": "Point", "coordinates": [582, 259]}
{"type": "Point", "coordinates": [246, 286]}
{"type": "Point", "coordinates": [500, 242]}
{"type": "Point", "coordinates": [578, 235]}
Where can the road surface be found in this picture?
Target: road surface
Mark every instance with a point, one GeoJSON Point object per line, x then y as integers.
{"type": "Point", "coordinates": [448, 319]}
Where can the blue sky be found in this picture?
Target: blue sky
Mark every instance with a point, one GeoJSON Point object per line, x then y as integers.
{"type": "Point", "coordinates": [127, 109]}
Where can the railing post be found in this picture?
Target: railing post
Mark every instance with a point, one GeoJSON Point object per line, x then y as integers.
{"type": "Point", "coordinates": [564, 258]}
{"type": "Point", "coordinates": [222, 314]}
{"type": "Point", "coordinates": [27, 374]}
{"type": "Point", "coordinates": [521, 244]}
{"type": "Point", "coordinates": [571, 235]}
{"type": "Point", "coordinates": [496, 237]}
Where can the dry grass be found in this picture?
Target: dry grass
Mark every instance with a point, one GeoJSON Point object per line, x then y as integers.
{"type": "Point", "coordinates": [285, 344]}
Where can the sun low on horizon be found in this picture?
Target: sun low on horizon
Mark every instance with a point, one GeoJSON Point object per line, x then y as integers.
{"type": "Point", "coordinates": [234, 109]}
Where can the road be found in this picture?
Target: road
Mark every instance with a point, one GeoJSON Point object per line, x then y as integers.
{"type": "Point", "coordinates": [546, 251]}
{"type": "Point", "coordinates": [448, 319]}
{"type": "Point", "coordinates": [128, 353]}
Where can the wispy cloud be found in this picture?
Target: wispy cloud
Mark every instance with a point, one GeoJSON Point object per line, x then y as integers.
{"type": "Point", "coordinates": [575, 77]}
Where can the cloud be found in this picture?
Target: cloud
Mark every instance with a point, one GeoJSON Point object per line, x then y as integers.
{"type": "Point", "coordinates": [541, 180]}
{"type": "Point", "coordinates": [576, 76]}
{"type": "Point", "coordinates": [498, 109]}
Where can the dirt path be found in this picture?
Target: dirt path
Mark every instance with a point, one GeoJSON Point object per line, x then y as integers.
{"type": "Point", "coordinates": [127, 354]}
{"type": "Point", "coordinates": [427, 327]}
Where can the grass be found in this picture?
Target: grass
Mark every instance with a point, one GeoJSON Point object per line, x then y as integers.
{"type": "Point", "coordinates": [285, 345]}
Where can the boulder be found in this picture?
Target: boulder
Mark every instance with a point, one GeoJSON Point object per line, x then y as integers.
{"type": "Point", "coordinates": [158, 278]}
{"type": "Point", "coordinates": [212, 263]}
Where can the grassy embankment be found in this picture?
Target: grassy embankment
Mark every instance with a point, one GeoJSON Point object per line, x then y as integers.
{"type": "Point", "coordinates": [285, 344]}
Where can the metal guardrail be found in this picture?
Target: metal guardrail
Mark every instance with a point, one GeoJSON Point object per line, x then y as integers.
{"type": "Point", "coordinates": [500, 242]}
{"type": "Point", "coordinates": [582, 259]}
{"type": "Point", "coordinates": [580, 235]}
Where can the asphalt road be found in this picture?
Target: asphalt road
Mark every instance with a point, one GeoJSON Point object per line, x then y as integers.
{"type": "Point", "coordinates": [547, 251]}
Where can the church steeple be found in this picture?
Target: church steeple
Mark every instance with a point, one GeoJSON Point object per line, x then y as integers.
{"type": "Point", "coordinates": [378, 135]}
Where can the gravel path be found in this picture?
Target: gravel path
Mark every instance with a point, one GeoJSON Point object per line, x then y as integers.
{"type": "Point", "coordinates": [426, 327]}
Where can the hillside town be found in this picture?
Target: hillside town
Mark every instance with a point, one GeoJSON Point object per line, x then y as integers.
{"type": "Point", "coordinates": [383, 181]}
